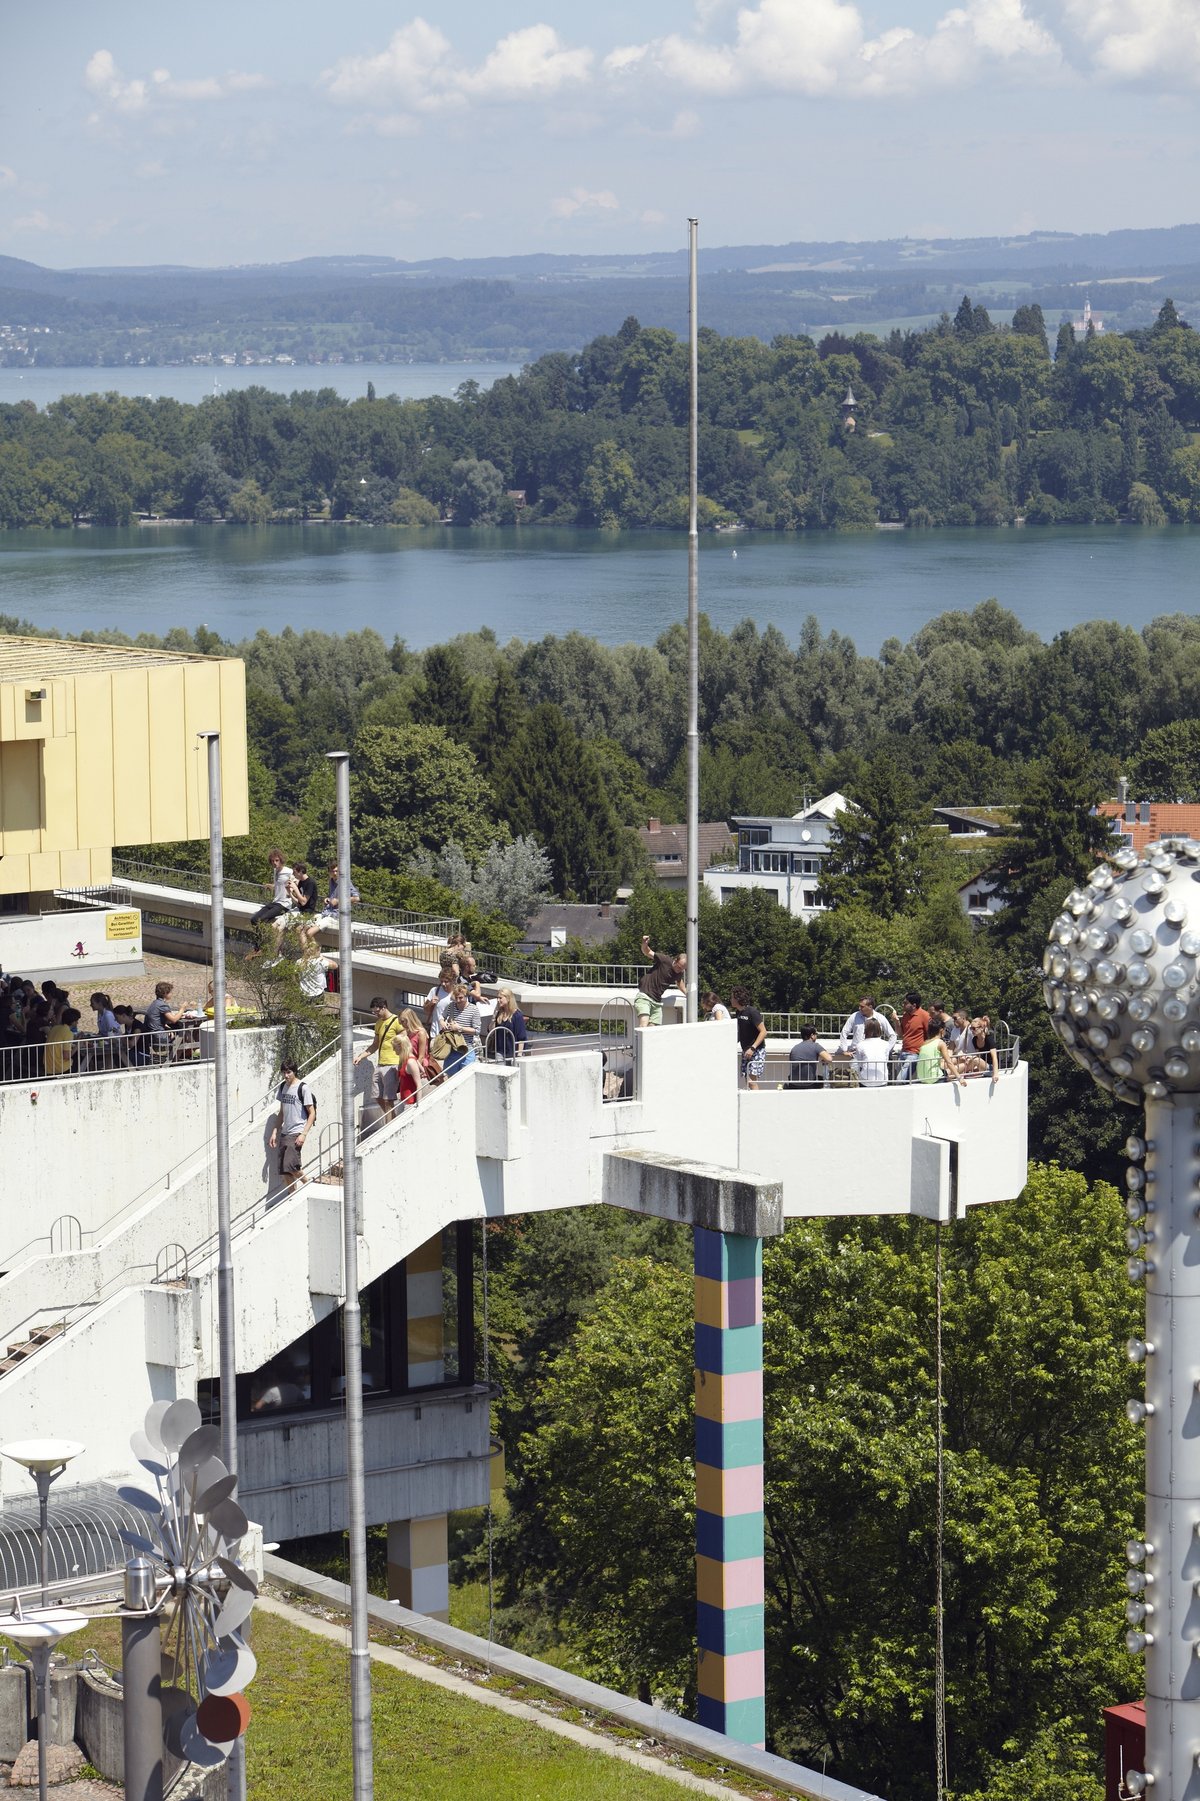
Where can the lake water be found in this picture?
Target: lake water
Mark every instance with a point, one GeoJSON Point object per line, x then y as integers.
{"type": "Point", "coordinates": [411, 381]}
{"type": "Point", "coordinates": [426, 586]}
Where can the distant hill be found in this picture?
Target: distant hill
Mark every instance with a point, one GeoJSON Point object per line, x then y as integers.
{"type": "Point", "coordinates": [516, 307]}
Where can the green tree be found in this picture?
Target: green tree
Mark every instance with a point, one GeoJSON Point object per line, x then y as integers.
{"type": "Point", "coordinates": [1144, 507]}
{"type": "Point", "coordinates": [618, 1517]}
{"type": "Point", "coordinates": [550, 787]}
{"type": "Point", "coordinates": [1166, 764]}
{"type": "Point", "coordinates": [248, 505]}
{"type": "Point", "coordinates": [477, 489]}
{"type": "Point", "coordinates": [879, 845]}
{"type": "Point", "coordinates": [412, 509]}
{"type": "Point", "coordinates": [609, 484]}
{"type": "Point", "coordinates": [1059, 835]}
{"type": "Point", "coordinates": [414, 789]}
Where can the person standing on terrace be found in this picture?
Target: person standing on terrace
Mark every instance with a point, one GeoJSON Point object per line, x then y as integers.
{"type": "Point", "coordinates": [912, 1023]}
{"type": "Point", "coordinates": [752, 1036]}
{"type": "Point", "coordinates": [665, 972]}
{"type": "Point", "coordinates": [855, 1028]}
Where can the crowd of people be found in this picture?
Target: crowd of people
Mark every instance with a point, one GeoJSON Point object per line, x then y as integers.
{"type": "Point", "coordinates": [42, 1034]}
{"type": "Point", "coordinates": [921, 1044]}
{"type": "Point", "coordinates": [293, 902]}
{"type": "Point", "coordinates": [458, 1025]}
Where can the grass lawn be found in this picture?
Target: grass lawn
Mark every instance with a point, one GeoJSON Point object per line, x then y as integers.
{"type": "Point", "coordinates": [430, 1745]}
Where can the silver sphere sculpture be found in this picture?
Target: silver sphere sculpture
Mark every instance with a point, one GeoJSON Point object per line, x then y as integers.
{"type": "Point", "coordinates": [1121, 972]}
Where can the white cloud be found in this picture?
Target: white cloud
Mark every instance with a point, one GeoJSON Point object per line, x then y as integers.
{"type": "Point", "coordinates": [105, 80]}
{"type": "Point", "coordinates": [8, 177]}
{"type": "Point", "coordinates": [1140, 40]}
{"type": "Point", "coordinates": [150, 171]}
{"type": "Point", "coordinates": [650, 217]}
{"type": "Point", "coordinates": [386, 125]}
{"type": "Point", "coordinates": [422, 71]}
{"type": "Point", "coordinates": [817, 47]}
{"type": "Point", "coordinates": [134, 94]}
{"type": "Point", "coordinates": [584, 200]}
{"type": "Point", "coordinates": [35, 221]}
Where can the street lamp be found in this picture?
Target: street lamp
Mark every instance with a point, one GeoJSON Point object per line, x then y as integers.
{"type": "Point", "coordinates": [45, 1459]}
{"type": "Point", "coordinates": [1122, 982]}
{"type": "Point", "coordinates": [39, 1633]}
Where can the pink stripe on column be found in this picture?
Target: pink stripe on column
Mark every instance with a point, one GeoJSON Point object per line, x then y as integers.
{"type": "Point", "coordinates": [745, 1676]}
{"type": "Point", "coordinates": [744, 1582]}
{"type": "Point", "coordinates": [741, 1396]}
{"type": "Point", "coordinates": [744, 1490]}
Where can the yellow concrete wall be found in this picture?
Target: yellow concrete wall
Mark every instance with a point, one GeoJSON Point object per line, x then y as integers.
{"type": "Point", "coordinates": [112, 757]}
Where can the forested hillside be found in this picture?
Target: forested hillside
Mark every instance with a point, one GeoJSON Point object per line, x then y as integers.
{"type": "Point", "coordinates": [966, 423]}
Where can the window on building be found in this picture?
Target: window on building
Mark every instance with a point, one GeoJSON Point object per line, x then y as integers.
{"type": "Point", "coordinates": [418, 1331]}
{"type": "Point", "coordinates": [727, 894]}
{"type": "Point", "coordinates": [805, 865]}
{"type": "Point", "coordinates": [754, 834]}
{"type": "Point", "coordinates": [769, 862]}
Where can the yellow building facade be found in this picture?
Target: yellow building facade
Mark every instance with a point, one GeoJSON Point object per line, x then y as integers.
{"type": "Point", "coordinates": [99, 747]}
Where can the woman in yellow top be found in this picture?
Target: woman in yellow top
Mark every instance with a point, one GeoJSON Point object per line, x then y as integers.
{"type": "Point", "coordinates": [59, 1051]}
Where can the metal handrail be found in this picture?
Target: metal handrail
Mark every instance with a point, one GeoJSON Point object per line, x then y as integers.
{"type": "Point", "coordinates": [843, 1073]}
{"type": "Point", "coordinates": [196, 881]}
{"type": "Point", "coordinates": [163, 1183]}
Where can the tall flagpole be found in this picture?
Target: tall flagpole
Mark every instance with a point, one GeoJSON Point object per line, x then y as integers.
{"type": "Point", "coordinates": [360, 1652]}
{"type": "Point", "coordinates": [225, 1297]}
{"type": "Point", "coordinates": [693, 731]}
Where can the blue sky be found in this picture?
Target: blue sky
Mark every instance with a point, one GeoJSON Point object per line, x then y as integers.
{"type": "Point", "coordinates": [257, 132]}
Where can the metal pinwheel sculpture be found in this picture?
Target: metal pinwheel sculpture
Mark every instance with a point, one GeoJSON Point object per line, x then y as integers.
{"type": "Point", "coordinates": [205, 1594]}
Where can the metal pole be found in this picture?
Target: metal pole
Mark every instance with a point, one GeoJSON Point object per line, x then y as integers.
{"type": "Point", "coordinates": [225, 1297]}
{"type": "Point", "coordinates": [141, 1685]}
{"type": "Point", "coordinates": [40, 1657]}
{"type": "Point", "coordinates": [360, 1655]}
{"type": "Point", "coordinates": [1172, 1171]}
{"type": "Point", "coordinates": [693, 729]}
{"type": "Point", "coordinates": [44, 1478]}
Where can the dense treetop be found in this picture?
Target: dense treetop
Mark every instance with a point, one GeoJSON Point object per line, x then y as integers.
{"type": "Point", "coordinates": [964, 423]}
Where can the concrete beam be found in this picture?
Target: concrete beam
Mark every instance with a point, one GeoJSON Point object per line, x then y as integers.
{"type": "Point", "coordinates": [693, 1194]}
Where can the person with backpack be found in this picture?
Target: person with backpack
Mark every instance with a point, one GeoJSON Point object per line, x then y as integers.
{"type": "Point", "coordinates": [294, 1121]}
{"type": "Point", "coordinates": [384, 1048]}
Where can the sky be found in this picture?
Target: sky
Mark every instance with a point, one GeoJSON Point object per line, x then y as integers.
{"type": "Point", "coordinates": [259, 132]}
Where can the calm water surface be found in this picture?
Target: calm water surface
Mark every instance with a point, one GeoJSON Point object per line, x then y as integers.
{"type": "Point", "coordinates": [411, 381]}
{"type": "Point", "coordinates": [427, 586]}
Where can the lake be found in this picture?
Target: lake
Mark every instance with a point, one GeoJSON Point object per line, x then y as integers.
{"type": "Point", "coordinates": [426, 586]}
{"type": "Point", "coordinates": [411, 381]}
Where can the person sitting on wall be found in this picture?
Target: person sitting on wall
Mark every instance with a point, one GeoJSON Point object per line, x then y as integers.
{"type": "Point", "coordinates": [282, 904]}
{"type": "Point", "coordinates": [327, 919]}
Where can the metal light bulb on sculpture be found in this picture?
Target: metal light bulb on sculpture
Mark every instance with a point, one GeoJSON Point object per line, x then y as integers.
{"type": "Point", "coordinates": [1122, 982]}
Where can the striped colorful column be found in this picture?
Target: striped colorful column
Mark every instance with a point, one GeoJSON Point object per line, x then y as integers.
{"type": "Point", "coordinates": [423, 1297]}
{"type": "Point", "coordinates": [729, 1485]}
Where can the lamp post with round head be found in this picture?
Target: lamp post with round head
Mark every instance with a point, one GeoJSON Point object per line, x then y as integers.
{"type": "Point", "coordinates": [45, 1459]}
{"type": "Point", "coordinates": [1122, 982]}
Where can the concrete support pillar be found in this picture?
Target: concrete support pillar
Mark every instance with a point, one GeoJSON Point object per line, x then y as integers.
{"type": "Point", "coordinates": [729, 1485]}
{"type": "Point", "coordinates": [423, 1300]}
{"type": "Point", "coordinates": [419, 1565]}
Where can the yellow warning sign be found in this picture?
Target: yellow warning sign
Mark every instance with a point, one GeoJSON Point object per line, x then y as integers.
{"type": "Point", "coordinates": [122, 925]}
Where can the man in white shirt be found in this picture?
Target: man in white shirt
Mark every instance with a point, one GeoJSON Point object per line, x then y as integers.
{"type": "Point", "coordinates": [854, 1030]}
{"type": "Point", "coordinates": [293, 1123]}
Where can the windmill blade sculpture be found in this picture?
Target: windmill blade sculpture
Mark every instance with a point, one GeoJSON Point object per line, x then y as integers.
{"type": "Point", "coordinates": [194, 1524]}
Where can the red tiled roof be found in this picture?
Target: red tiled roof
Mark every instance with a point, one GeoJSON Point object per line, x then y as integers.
{"type": "Point", "coordinates": [1168, 819]}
